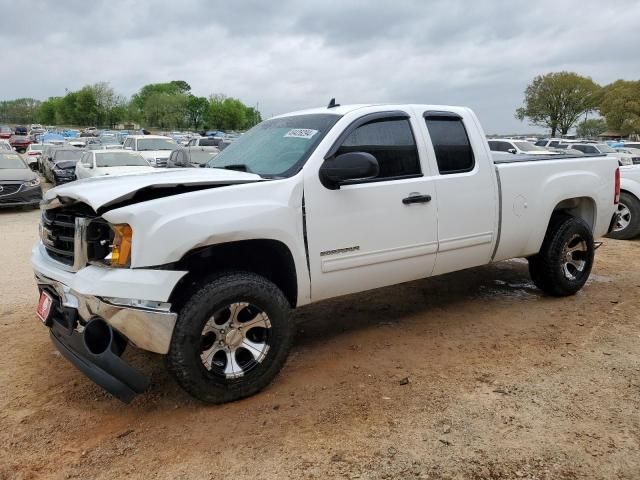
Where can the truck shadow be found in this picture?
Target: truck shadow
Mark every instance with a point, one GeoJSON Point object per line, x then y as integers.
{"type": "Point", "coordinates": [390, 305]}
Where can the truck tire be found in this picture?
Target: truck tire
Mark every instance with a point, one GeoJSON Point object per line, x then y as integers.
{"type": "Point", "coordinates": [564, 262]}
{"type": "Point", "coordinates": [628, 225]}
{"type": "Point", "coordinates": [231, 338]}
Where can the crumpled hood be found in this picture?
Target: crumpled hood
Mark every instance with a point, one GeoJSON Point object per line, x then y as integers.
{"type": "Point", "coordinates": [98, 192]}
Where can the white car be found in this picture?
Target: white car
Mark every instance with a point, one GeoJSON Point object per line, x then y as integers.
{"type": "Point", "coordinates": [98, 163]}
{"type": "Point", "coordinates": [520, 147]}
{"type": "Point", "coordinates": [603, 149]}
{"type": "Point", "coordinates": [204, 265]}
{"type": "Point", "coordinates": [155, 148]}
{"type": "Point", "coordinates": [5, 145]}
{"type": "Point", "coordinates": [628, 223]}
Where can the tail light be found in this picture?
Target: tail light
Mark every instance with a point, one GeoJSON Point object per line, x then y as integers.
{"type": "Point", "coordinates": [616, 195]}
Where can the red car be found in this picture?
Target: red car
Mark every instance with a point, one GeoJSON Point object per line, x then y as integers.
{"type": "Point", "coordinates": [20, 143]}
{"type": "Point", "coordinates": [5, 131]}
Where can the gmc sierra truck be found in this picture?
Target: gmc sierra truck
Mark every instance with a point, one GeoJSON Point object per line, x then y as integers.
{"type": "Point", "coordinates": [204, 265]}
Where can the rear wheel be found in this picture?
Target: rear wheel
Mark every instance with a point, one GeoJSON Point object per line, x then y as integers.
{"type": "Point", "coordinates": [231, 338]}
{"type": "Point", "coordinates": [628, 224]}
{"type": "Point", "coordinates": [564, 262]}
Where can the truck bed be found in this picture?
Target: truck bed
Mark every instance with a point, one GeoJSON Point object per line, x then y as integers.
{"type": "Point", "coordinates": [531, 188]}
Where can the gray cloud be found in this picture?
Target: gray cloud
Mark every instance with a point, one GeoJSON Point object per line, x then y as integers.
{"type": "Point", "coordinates": [289, 55]}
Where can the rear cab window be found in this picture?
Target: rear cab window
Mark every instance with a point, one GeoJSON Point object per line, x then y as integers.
{"type": "Point", "coordinates": [450, 141]}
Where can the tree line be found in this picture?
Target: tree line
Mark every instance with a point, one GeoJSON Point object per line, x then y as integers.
{"type": "Point", "coordinates": [558, 101]}
{"type": "Point", "coordinates": [168, 105]}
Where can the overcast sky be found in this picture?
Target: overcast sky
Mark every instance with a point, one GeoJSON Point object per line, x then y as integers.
{"type": "Point", "coordinates": [288, 55]}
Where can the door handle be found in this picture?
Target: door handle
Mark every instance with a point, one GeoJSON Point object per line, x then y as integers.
{"type": "Point", "coordinates": [416, 198]}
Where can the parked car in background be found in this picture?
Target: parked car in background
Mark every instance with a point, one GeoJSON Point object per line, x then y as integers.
{"type": "Point", "coordinates": [634, 153]}
{"type": "Point", "coordinates": [90, 130]}
{"type": "Point", "coordinates": [47, 152]}
{"type": "Point", "coordinates": [5, 131]}
{"type": "Point", "coordinates": [566, 149]}
{"type": "Point", "coordinates": [603, 149]}
{"type": "Point", "coordinates": [154, 148]}
{"type": "Point", "coordinates": [189, 157]}
{"type": "Point", "coordinates": [21, 130]}
{"type": "Point", "coordinates": [517, 147]}
{"type": "Point", "coordinates": [5, 145]}
{"type": "Point", "coordinates": [97, 163]}
{"type": "Point", "coordinates": [628, 223]}
{"type": "Point", "coordinates": [551, 142]}
{"type": "Point", "coordinates": [19, 186]}
{"type": "Point", "coordinates": [34, 152]}
{"type": "Point", "coordinates": [202, 142]}
{"type": "Point", "coordinates": [20, 143]}
{"type": "Point", "coordinates": [631, 145]}
{"type": "Point", "coordinates": [58, 169]}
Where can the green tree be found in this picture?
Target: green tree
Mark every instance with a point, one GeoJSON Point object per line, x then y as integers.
{"type": "Point", "coordinates": [557, 100]}
{"type": "Point", "coordinates": [196, 108]}
{"type": "Point", "coordinates": [591, 127]}
{"type": "Point", "coordinates": [621, 106]}
{"type": "Point", "coordinates": [20, 110]}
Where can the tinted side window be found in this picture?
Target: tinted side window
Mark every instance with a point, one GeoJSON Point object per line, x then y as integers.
{"type": "Point", "coordinates": [391, 142]}
{"type": "Point", "coordinates": [590, 149]}
{"type": "Point", "coordinates": [451, 144]}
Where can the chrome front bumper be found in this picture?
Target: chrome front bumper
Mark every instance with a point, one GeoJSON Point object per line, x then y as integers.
{"type": "Point", "coordinates": [148, 325]}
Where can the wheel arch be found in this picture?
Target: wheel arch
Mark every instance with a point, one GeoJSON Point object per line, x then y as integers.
{"type": "Point", "coordinates": [582, 207]}
{"type": "Point", "coordinates": [271, 259]}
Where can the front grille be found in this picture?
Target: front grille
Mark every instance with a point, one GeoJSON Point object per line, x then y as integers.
{"type": "Point", "coordinates": [75, 236]}
{"type": "Point", "coordinates": [161, 162]}
{"type": "Point", "coordinates": [58, 235]}
{"type": "Point", "coordinates": [9, 188]}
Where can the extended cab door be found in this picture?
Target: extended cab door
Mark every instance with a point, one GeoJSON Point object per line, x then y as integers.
{"type": "Point", "coordinates": [376, 232]}
{"type": "Point", "coordinates": [466, 189]}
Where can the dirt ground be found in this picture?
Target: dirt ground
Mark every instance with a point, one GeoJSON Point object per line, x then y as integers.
{"type": "Point", "coordinates": [471, 375]}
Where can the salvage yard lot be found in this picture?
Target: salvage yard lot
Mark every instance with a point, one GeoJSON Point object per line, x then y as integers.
{"type": "Point", "coordinates": [468, 375]}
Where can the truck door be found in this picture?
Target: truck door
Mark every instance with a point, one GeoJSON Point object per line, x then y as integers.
{"type": "Point", "coordinates": [377, 232]}
{"type": "Point", "coordinates": [466, 191]}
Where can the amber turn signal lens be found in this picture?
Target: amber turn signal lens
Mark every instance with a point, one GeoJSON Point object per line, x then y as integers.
{"type": "Point", "coordinates": [121, 250]}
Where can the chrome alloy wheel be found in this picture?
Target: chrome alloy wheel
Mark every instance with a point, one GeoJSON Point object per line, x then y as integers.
{"type": "Point", "coordinates": [235, 340]}
{"type": "Point", "coordinates": [574, 256]}
{"type": "Point", "coordinates": [624, 218]}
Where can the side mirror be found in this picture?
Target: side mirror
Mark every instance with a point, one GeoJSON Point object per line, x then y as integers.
{"type": "Point", "coordinates": [512, 150]}
{"type": "Point", "coordinates": [348, 167]}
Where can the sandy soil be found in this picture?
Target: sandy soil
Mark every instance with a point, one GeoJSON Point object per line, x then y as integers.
{"type": "Point", "coordinates": [501, 383]}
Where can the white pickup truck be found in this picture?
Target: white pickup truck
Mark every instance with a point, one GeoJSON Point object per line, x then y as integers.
{"type": "Point", "coordinates": [204, 265]}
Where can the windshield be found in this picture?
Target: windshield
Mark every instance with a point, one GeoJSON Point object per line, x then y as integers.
{"type": "Point", "coordinates": [66, 164]}
{"type": "Point", "coordinates": [277, 147]}
{"type": "Point", "coordinates": [120, 159]}
{"type": "Point", "coordinates": [145, 144]}
{"type": "Point", "coordinates": [67, 155]}
{"type": "Point", "coordinates": [37, 147]}
{"type": "Point", "coordinates": [202, 156]}
{"type": "Point", "coordinates": [605, 148]}
{"type": "Point", "coordinates": [527, 147]}
{"type": "Point", "coordinates": [11, 160]}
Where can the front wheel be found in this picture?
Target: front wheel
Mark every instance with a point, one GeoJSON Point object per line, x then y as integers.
{"type": "Point", "coordinates": [628, 224]}
{"type": "Point", "coordinates": [231, 338]}
{"type": "Point", "coordinates": [564, 262]}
